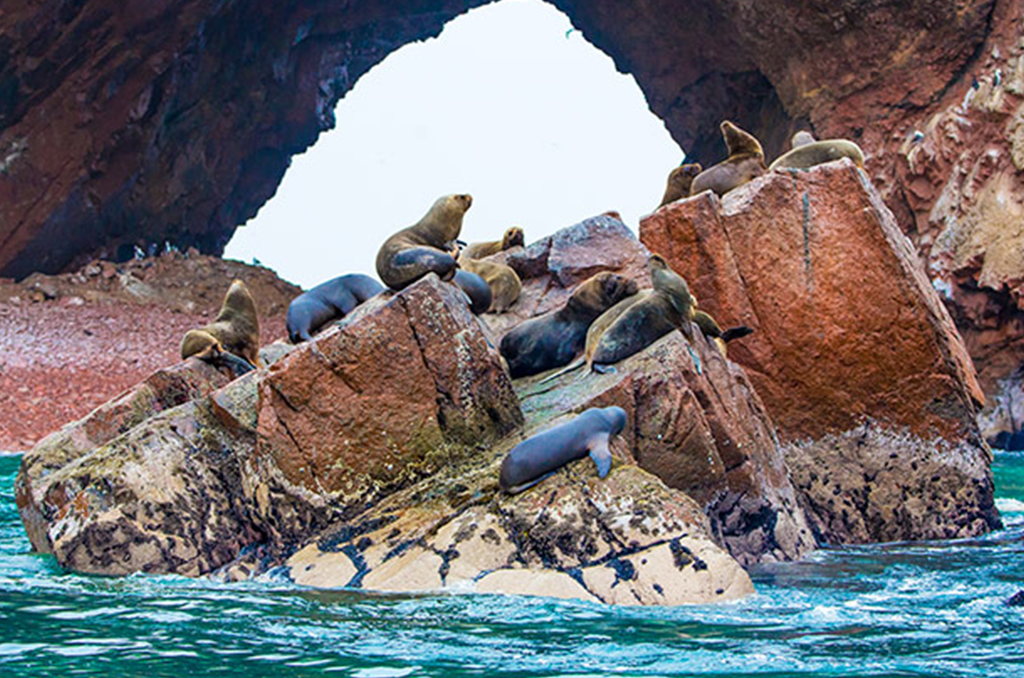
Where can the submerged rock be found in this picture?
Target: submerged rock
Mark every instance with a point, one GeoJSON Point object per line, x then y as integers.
{"type": "Point", "coordinates": [855, 356]}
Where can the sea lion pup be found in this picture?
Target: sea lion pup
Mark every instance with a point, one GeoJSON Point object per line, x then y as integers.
{"type": "Point", "coordinates": [807, 152]}
{"type": "Point", "coordinates": [328, 301]}
{"type": "Point", "coordinates": [476, 289]}
{"type": "Point", "coordinates": [745, 161]}
{"type": "Point", "coordinates": [232, 340]}
{"type": "Point", "coordinates": [503, 282]}
{"type": "Point", "coordinates": [426, 246]}
{"type": "Point", "coordinates": [555, 338]}
{"type": "Point", "coordinates": [679, 181]}
{"type": "Point", "coordinates": [709, 328]}
{"type": "Point", "coordinates": [536, 458]}
{"type": "Point", "coordinates": [668, 307]}
{"type": "Point", "coordinates": [478, 250]}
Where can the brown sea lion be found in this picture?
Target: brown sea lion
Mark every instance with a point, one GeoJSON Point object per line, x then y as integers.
{"type": "Point", "coordinates": [426, 246]}
{"type": "Point", "coordinates": [555, 338]}
{"type": "Point", "coordinates": [537, 457]}
{"type": "Point", "coordinates": [503, 281]}
{"type": "Point", "coordinates": [513, 237]}
{"type": "Point", "coordinates": [709, 328]}
{"type": "Point", "coordinates": [807, 152]}
{"type": "Point", "coordinates": [745, 162]}
{"type": "Point", "coordinates": [232, 340]}
{"type": "Point", "coordinates": [668, 307]}
{"type": "Point", "coordinates": [476, 290]}
{"type": "Point", "coordinates": [679, 181]}
{"type": "Point", "coordinates": [328, 301]}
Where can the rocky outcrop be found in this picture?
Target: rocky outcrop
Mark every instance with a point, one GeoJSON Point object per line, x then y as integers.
{"type": "Point", "coordinates": [854, 355]}
{"type": "Point", "coordinates": [174, 123]}
{"type": "Point", "coordinates": [366, 458]}
{"type": "Point", "coordinates": [71, 342]}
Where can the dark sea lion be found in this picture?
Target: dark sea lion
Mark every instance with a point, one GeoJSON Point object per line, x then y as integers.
{"type": "Point", "coordinates": [679, 181]}
{"type": "Point", "coordinates": [476, 288]}
{"type": "Point", "coordinates": [807, 152]}
{"type": "Point", "coordinates": [745, 162]}
{"type": "Point", "coordinates": [426, 246]}
{"type": "Point", "coordinates": [555, 338]}
{"type": "Point", "coordinates": [232, 340]}
{"type": "Point", "coordinates": [536, 458]}
{"type": "Point", "coordinates": [328, 301]}
{"type": "Point", "coordinates": [503, 281]}
{"type": "Point", "coordinates": [709, 328]}
{"type": "Point", "coordinates": [513, 237]}
{"type": "Point", "coordinates": [668, 307]}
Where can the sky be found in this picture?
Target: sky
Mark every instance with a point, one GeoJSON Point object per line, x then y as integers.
{"type": "Point", "coordinates": [508, 104]}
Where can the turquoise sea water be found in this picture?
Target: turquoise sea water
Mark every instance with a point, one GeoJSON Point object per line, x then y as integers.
{"type": "Point", "coordinates": [932, 609]}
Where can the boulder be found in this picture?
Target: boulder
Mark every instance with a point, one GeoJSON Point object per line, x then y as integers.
{"type": "Point", "coordinates": [696, 422]}
{"type": "Point", "coordinates": [853, 353]}
{"type": "Point", "coordinates": [626, 539]}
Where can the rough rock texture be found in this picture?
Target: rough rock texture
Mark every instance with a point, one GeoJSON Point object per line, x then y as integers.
{"type": "Point", "coordinates": [69, 343]}
{"type": "Point", "coordinates": [380, 440]}
{"type": "Point", "coordinates": [853, 353]}
{"type": "Point", "coordinates": [404, 385]}
{"type": "Point", "coordinates": [696, 422]}
{"type": "Point", "coordinates": [625, 540]}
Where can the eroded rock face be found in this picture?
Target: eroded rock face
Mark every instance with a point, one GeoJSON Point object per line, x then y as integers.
{"type": "Point", "coordinates": [625, 540]}
{"type": "Point", "coordinates": [404, 385]}
{"type": "Point", "coordinates": [852, 348]}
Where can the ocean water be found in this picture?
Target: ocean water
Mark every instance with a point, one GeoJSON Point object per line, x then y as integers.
{"type": "Point", "coordinates": [929, 609]}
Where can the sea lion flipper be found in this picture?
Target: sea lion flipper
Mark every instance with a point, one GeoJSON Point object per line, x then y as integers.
{"type": "Point", "coordinates": [601, 455]}
{"type": "Point", "coordinates": [575, 365]}
{"type": "Point", "coordinates": [736, 333]}
{"type": "Point", "coordinates": [603, 369]}
{"type": "Point", "coordinates": [236, 364]}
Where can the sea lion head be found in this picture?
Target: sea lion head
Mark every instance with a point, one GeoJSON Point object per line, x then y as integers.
{"type": "Point", "coordinates": [446, 214]}
{"type": "Point", "coordinates": [801, 138]}
{"type": "Point", "coordinates": [199, 343]}
{"type": "Point", "coordinates": [513, 237]}
{"type": "Point", "coordinates": [614, 288]}
{"type": "Point", "coordinates": [681, 177]}
{"type": "Point", "coordinates": [667, 281]}
{"type": "Point", "coordinates": [238, 302]}
{"type": "Point", "coordinates": [739, 142]}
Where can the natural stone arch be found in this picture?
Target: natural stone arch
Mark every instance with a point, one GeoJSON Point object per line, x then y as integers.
{"type": "Point", "coordinates": [176, 121]}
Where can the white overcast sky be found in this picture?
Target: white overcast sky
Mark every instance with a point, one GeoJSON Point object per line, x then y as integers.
{"type": "Point", "coordinates": [536, 124]}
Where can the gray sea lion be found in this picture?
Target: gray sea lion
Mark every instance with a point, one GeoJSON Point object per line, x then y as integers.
{"type": "Point", "coordinates": [426, 246]}
{"type": "Point", "coordinates": [503, 281]}
{"type": "Point", "coordinates": [328, 301]}
{"type": "Point", "coordinates": [476, 288]}
{"type": "Point", "coordinates": [679, 181]}
{"type": "Point", "coordinates": [710, 328]}
{"type": "Point", "coordinates": [232, 340]}
{"type": "Point", "coordinates": [536, 458]}
{"type": "Point", "coordinates": [513, 237]}
{"type": "Point", "coordinates": [555, 338]}
{"type": "Point", "coordinates": [807, 153]}
{"type": "Point", "coordinates": [668, 307]}
{"type": "Point", "coordinates": [745, 162]}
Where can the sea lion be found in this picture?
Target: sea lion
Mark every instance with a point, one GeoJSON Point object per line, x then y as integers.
{"type": "Point", "coordinates": [537, 457]}
{"type": "Point", "coordinates": [709, 328]}
{"type": "Point", "coordinates": [232, 340]}
{"type": "Point", "coordinates": [668, 307]}
{"type": "Point", "coordinates": [426, 246]}
{"type": "Point", "coordinates": [476, 289]}
{"type": "Point", "coordinates": [745, 161]}
{"type": "Point", "coordinates": [503, 281]}
{"type": "Point", "coordinates": [807, 152]}
{"type": "Point", "coordinates": [555, 338]}
{"type": "Point", "coordinates": [679, 181]}
{"type": "Point", "coordinates": [328, 301]}
{"type": "Point", "coordinates": [478, 250]}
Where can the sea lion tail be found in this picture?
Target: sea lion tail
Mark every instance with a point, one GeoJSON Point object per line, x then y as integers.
{"type": "Point", "coordinates": [736, 333]}
{"type": "Point", "coordinates": [580, 362]}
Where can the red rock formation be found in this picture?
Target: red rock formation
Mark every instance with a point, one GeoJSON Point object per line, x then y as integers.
{"type": "Point", "coordinates": [851, 348]}
{"type": "Point", "coordinates": [69, 343]}
{"type": "Point", "coordinates": [175, 122]}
